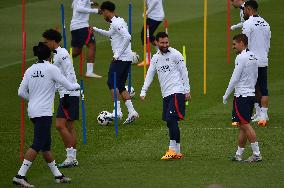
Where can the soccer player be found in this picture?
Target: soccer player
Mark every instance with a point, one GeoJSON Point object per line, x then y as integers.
{"type": "Point", "coordinates": [81, 33]}
{"type": "Point", "coordinates": [243, 80]}
{"type": "Point", "coordinates": [258, 32]}
{"type": "Point", "coordinates": [155, 15]}
{"type": "Point", "coordinates": [122, 57]}
{"type": "Point", "coordinates": [173, 77]}
{"type": "Point", "coordinates": [38, 87]}
{"type": "Point", "coordinates": [239, 4]}
{"type": "Point", "coordinates": [68, 108]}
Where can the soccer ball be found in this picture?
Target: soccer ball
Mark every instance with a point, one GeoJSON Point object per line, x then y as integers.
{"type": "Point", "coordinates": [135, 58]}
{"type": "Point", "coordinates": [132, 91]}
{"type": "Point", "coordinates": [103, 118]}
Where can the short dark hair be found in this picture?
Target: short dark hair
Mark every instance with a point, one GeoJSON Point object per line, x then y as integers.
{"type": "Point", "coordinates": [161, 35]}
{"type": "Point", "coordinates": [107, 5]}
{"type": "Point", "coordinates": [42, 51]}
{"type": "Point", "coordinates": [252, 3]}
{"type": "Point", "coordinates": [241, 38]}
{"type": "Point", "coordinates": [52, 34]}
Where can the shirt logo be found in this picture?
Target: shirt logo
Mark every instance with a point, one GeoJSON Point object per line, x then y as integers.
{"type": "Point", "coordinates": [37, 74]}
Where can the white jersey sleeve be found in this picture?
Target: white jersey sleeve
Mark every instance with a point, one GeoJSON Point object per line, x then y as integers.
{"type": "Point", "coordinates": [123, 31]}
{"type": "Point", "coordinates": [81, 7]}
{"type": "Point", "coordinates": [59, 78]}
{"type": "Point", "coordinates": [239, 67]}
{"type": "Point", "coordinates": [104, 32]}
{"type": "Point", "coordinates": [149, 77]}
{"type": "Point", "coordinates": [24, 87]}
{"type": "Point", "coordinates": [183, 71]}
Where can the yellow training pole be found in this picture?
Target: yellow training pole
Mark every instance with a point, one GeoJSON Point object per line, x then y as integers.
{"type": "Point", "coordinates": [71, 54]}
{"type": "Point", "coordinates": [205, 46]}
{"type": "Point", "coordinates": [145, 45]}
{"type": "Point", "coordinates": [184, 53]}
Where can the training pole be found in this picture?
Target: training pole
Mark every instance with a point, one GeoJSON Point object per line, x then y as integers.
{"type": "Point", "coordinates": [166, 25]}
{"type": "Point", "coordinates": [148, 46]}
{"type": "Point", "coordinates": [130, 32]}
{"type": "Point", "coordinates": [22, 127]}
{"type": "Point", "coordinates": [83, 100]}
{"type": "Point", "coordinates": [144, 26]}
{"type": "Point", "coordinates": [115, 105]}
{"type": "Point", "coordinates": [205, 47]}
{"type": "Point", "coordinates": [229, 31]}
{"type": "Point", "coordinates": [184, 57]}
{"type": "Point", "coordinates": [63, 25]}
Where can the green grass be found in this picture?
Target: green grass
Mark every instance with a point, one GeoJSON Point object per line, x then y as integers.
{"type": "Point", "coordinates": [133, 159]}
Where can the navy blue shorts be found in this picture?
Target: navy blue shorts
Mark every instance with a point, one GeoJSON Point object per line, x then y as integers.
{"type": "Point", "coordinates": [42, 133]}
{"type": "Point", "coordinates": [68, 108]}
{"type": "Point", "coordinates": [261, 83]}
{"type": "Point", "coordinates": [81, 37]}
{"type": "Point", "coordinates": [153, 25]}
{"type": "Point", "coordinates": [121, 68]}
{"type": "Point", "coordinates": [243, 109]}
{"type": "Point", "coordinates": [174, 107]}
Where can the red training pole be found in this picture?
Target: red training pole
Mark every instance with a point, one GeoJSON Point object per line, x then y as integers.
{"type": "Point", "coordinates": [229, 31]}
{"type": "Point", "coordinates": [22, 126]}
{"type": "Point", "coordinates": [166, 25]}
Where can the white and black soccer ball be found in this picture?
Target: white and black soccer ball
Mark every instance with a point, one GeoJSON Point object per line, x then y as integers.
{"type": "Point", "coordinates": [135, 58]}
{"type": "Point", "coordinates": [103, 118]}
{"type": "Point", "coordinates": [132, 91]}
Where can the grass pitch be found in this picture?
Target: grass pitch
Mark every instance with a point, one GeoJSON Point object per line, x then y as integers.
{"type": "Point", "coordinates": [133, 159]}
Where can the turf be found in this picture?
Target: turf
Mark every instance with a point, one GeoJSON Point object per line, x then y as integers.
{"type": "Point", "coordinates": [133, 159]}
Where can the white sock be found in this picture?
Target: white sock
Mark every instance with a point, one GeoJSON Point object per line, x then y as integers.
{"type": "Point", "coordinates": [118, 108]}
{"type": "Point", "coordinates": [74, 153]}
{"type": "Point", "coordinates": [25, 167]}
{"type": "Point", "coordinates": [240, 151]}
{"type": "Point", "coordinates": [172, 145]}
{"type": "Point", "coordinates": [69, 153]}
{"type": "Point", "coordinates": [257, 109]}
{"type": "Point", "coordinates": [54, 169]}
{"type": "Point", "coordinates": [90, 67]}
{"type": "Point", "coordinates": [255, 148]}
{"type": "Point", "coordinates": [177, 148]}
{"type": "Point", "coordinates": [129, 106]}
{"type": "Point", "coordinates": [264, 112]}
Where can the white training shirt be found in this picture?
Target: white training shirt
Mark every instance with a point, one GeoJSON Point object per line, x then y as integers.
{"type": "Point", "coordinates": [119, 37]}
{"type": "Point", "coordinates": [245, 74]}
{"type": "Point", "coordinates": [62, 60]}
{"type": "Point", "coordinates": [155, 10]}
{"type": "Point", "coordinates": [81, 12]}
{"type": "Point", "coordinates": [38, 87]}
{"type": "Point", "coordinates": [258, 32]}
{"type": "Point", "coordinates": [172, 73]}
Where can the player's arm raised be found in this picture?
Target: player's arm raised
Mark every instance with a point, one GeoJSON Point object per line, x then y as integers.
{"type": "Point", "coordinates": [104, 32]}
{"type": "Point", "coordinates": [82, 9]}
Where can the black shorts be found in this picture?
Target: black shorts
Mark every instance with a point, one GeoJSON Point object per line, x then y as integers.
{"type": "Point", "coordinates": [81, 37]}
{"type": "Point", "coordinates": [121, 68]}
{"type": "Point", "coordinates": [243, 109]}
{"type": "Point", "coordinates": [261, 83]}
{"type": "Point", "coordinates": [68, 108]}
{"type": "Point", "coordinates": [174, 107]}
{"type": "Point", "coordinates": [42, 133]}
{"type": "Point", "coordinates": [153, 25]}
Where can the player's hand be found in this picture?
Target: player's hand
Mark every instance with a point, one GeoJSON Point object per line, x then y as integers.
{"type": "Point", "coordinates": [142, 98]}
{"type": "Point", "coordinates": [115, 56]}
{"type": "Point", "coordinates": [187, 96]}
{"type": "Point", "coordinates": [233, 27]}
{"type": "Point", "coordinates": [225, 100]}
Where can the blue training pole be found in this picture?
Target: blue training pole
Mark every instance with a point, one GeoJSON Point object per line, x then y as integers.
{"type": "Point", "coordinates": [83, 113]}
{"type": "Point", "coordinates": [115, 105]}
{"type": "Point", "coordinates": [130, 32]}
{"type": "Point", "coordinates": [63, 25]}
